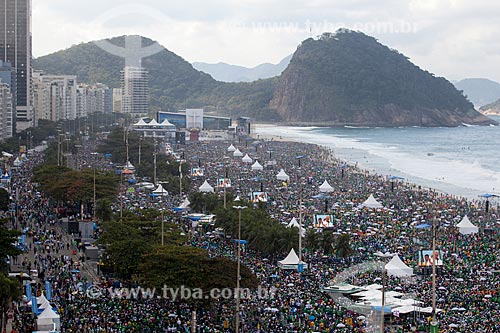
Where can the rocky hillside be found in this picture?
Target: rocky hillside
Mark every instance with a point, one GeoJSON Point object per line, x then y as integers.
{"type": "Point", "coordinates": [348, 78]}
{"type": "Point", "coordinates": [491, 109]}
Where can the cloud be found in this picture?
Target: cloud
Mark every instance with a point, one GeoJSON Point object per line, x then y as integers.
{"type": "Point", "coordinates": [446, 37]}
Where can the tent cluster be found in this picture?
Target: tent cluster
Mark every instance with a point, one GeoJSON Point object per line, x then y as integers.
{"type": "Point", "coordinates": [46, 316]}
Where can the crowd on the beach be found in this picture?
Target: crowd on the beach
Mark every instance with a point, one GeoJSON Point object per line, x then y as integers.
{"type": "Point", "coordinates": [467, 290]}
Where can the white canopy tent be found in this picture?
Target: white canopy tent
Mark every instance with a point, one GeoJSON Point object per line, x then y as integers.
{"type": "Point", "coordinates": [465, 227]}
{"type": "Point", "coordinates": [184, 204]}
{"type": "Point", "coordinates": [48, 320]}
{"type": "Point", "coordinates": [291, 261]}
{"type": "Point", "coordinates": [257, 167]}
{"type": "Point", "coordinates": [231, 148]}
{"type": "Point", "coordinates": [237, 153]}
{"type": "Point", "coordinates": [294, 223]}
{"type": "Point", "coordinates": [153, 123]}
{"type": "Point", "coordinates": [283, 176]}
{"type": "Point", "coordinates": [160, 190]}
{"type": "Point", "coordinates": [247, 159]}
{"type": "Point", "coordinates": [371, 202]}
{"type": "Point", "coordinates": [206, 187]}
{"type": "Point", "coordinates": [325, 187]}
{"type": "Point", "coordinates": [141, 122]}
{"type": "Point", "coordinates": [396, 267]}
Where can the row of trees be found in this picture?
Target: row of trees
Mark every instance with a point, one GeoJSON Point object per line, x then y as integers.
{"type": "Point", "coordinates": [266, 235]}
{"type": "Point", "coordinates": [9, 287]}
{"type": "Point", "coordinates": [134, 253]}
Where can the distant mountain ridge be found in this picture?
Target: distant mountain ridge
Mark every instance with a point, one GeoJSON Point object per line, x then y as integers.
{"type": "Point", "coordinates": [492, 108]}
{"type": "Point", "coordinates": [233, 73]}
{"type": "Point", "coordinates": [338, 79]}
{"type": "Point", "coordinates": [479, 91]}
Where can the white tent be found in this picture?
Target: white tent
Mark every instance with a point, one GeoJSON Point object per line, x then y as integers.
{"type": "Point", "coordinates": [17, 162]}
{"type": "Point", "coordinates": [5, 154]}
{"type": "Point", "coordinates": [246, 159]}
{"type": "Point", "coordinates": [294, 223]}
{"type": "Point", "coordinates": [141, 122]}
{"type": "Point", "coordinates": [396, 267]}
{"type": "Point", "coordinates": [291, 261]}
{"type": "Point", "coordinates": [325, 187]}
{"type": "Point", "coordinates": [129, 166]}
{"type": "Point", "coordinates": [160, 190]}
{"type": "Point", "coordinates": [47, 319]}
{"type": "Point", "coordinates": [185, 204]}
{"type": "Point", "coordinates": [237, 153]}
{"type": "Point", "coordinates": [465, 227]}
{"type": "Point", "coordinates": [231, 148]}
{"type": "Point", "coordinates": [153, 123]}
{"type": "Point", "coordinates": [283, 176]}
{"type": "Point", "coordinates": [206, 187]}
{"type": "Point", "coordinates": [371, 202]}
{"type": "Point", "coordinates": [43, 301]}
{"type": "Point", "coordinates": [165, 122]}
{"type": "Point", "coordinates": [257, 167]}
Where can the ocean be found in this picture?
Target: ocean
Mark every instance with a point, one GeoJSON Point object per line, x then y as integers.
{"type": "Point", "coordinates": [463, 161]}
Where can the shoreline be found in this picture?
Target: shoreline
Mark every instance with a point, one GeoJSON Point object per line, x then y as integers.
{"type": "Point", "coordinates": [355, 165]}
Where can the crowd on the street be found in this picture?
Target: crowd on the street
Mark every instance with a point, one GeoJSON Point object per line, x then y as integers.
{"type": "Point", "coordinates": [468, 287]}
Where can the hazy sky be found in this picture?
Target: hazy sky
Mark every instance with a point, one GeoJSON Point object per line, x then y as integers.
{"type": "Point", "coordinates": [451, 38]}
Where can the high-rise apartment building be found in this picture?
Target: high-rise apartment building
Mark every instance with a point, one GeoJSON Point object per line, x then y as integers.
{"type": "Point", "coordinates": [5, 111]}
{"type": "Point", "coordinates": [135, 91]}
{"type": "Point", "coordinates": [15, 47]}
{"type": "Point", "coordinates": [55, 96]}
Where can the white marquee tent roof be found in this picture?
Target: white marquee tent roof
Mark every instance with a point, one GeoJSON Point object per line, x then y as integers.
{"type": "Point", "coordinates": [291, 261]}
{"type": "Point", "coordinates": [206, 187]}
{"type": "Point", "coordinates": [247, 159]}
{"type": "Point", "coordinates": [160, 190]}
{"type": "Point", "coordinates": [466, 227]}
{"type": "Point", "coordinates": [325, 187]}
{"type": "Point", "coordinates": [396, 267]}
{"type": "Point", "coordinates": [283, 176]}
{"type": "Point", "coordinates": [231, 148]}
{"type": "Point", "coordinates": [257, 166]}
{"type": "Point", "coordinates": [371, 202]}
{"type": "Point", "coordinates": [237, 153]}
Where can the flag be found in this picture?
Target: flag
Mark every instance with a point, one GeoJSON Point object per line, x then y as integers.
{"type": "Point", "coordinates": [28, 291]}
{"type": "Point", "coordinates": [34, 305]}
{"type": "Point", "coordinates": [48, 291]}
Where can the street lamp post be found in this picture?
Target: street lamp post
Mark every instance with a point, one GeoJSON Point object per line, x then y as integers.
{"type": "Point", "coordinates": [434, 322]}
{"type": "Point", "coordinates": [94, 161]}
{"type": "Point", "coordinates": [239, 208]}
{"type": "Point", "coordinates": [384, 282]}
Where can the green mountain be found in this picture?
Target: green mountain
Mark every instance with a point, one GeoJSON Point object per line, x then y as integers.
{"type": "Point", "coordinates": [339, 79]}
{"type": "Point", "coordinates": [174, 83]}
{"type": "Point", "coordinates": [348, 78]}
{"type": "Point", "coordinates": [233, 73]}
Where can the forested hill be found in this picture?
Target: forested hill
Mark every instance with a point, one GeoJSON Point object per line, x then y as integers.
{"type": "Point", "coordinates": [174, 83]}
{"type": "Point", "coordinates": [350, 78]}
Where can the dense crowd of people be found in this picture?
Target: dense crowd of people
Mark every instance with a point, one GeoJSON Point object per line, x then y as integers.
{"type": "Point", "coordinates": [467, 290]}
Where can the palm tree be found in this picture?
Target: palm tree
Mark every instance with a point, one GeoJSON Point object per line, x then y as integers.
{"type": "Point", "coordinates": [343, 246]}
{"type": "Point", "coordinates": [327, 240]}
